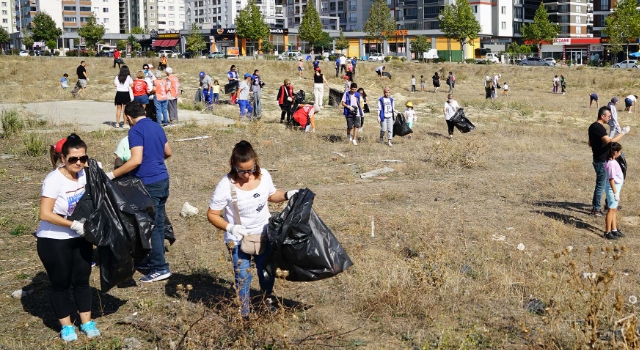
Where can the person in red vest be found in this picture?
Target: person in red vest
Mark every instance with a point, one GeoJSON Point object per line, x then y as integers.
{"type": "Point", "coordinates": [305, 116]}
{"type": "Point", "coordinates": [116, 58]}
{"type": "Point", "coordinates": [285, 100]}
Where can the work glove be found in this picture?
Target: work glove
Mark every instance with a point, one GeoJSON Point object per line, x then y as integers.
{"type": "Point", "coordinates": [78, 226]}
{"type": "Point", "coordinates": [616, 196]}
{"type": "Point", "coordinates": [354, 109]}
{"type": "Point", "coordinates": [110, 175]}
{"type": "Point", "coordinates": [237, 231]}
{"type": "Point", "coordinates": [625, 130]}
{"type": "Point", "coordinates": [289, 194]}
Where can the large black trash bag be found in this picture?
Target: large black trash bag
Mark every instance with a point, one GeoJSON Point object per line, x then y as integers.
{"type": "Point", "coordinates": [231, 87]}
{"type": "Point", "coordinates": [121, 230]}
{"type": "Point", "coordinates": [400, 126]}
{"type": "Point", "coordinates": [303, 244]}
{"type": "Point", "coordinates": [335, 97]}
{"type": "Point", "coordinates": [622, 160]}
{"type": "Point", "coordinates": [463, 124]}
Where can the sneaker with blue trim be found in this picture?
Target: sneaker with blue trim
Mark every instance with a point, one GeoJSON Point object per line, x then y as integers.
{"type": "Point", "coordinates": [156, 276]}
{"type": "Point", "coordinates": [68, 333]}
{"type": "Point", "coordinates": [90, 329]}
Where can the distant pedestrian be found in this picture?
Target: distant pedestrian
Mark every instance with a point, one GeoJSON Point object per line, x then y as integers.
{"type": "Point", "coordinates": [256, 89]}
{"type": "Point", "coordinates": [285, 100]}
{"type": "Point", "coordinates": [305, 116]}
{"type": "Point", "coordinates": [386, 115]}
{"type": "Point", "coordinates": [556, 82]}
{"type": "Point", "coordinates": [64, 81]}
{"type": "Point", "coordinates": [316, 64]}
{"type": "Point", "coordinates": [318, 86]}
{"type": "Point", "coordinates": [343, 64]}
{"type": "Point", "coordinates": [614, 126]}
{"type": "Point", "coordinates": [563, 84]}
{"type": "Point", "coordinates": [421, 83]}
{"type": "Point", "coordinates": [354, 62]}
{"type": "Point", "coordinates": [436, 81]}
{"type": "Point", "coordinates": [492, 88]}
{"type": "Point", "coordinates": [451, 81]}
{"type": "Point", "coordinates": [594, 97]}
{"type": "Point", "coordinates": [140, 90]}
{"type": "Point", "coordinates": [487, 87]}
{"type": "Point", "coordinates": [615, 179]}
{"type": "Point", "coordinates": [505, 89]}
{"type": "Point", "coordinates": [116, 58]}
{"type": "Point", "coordinates": [232, 77]}
{"type": "Point", "coordinates": [630, 102]}
{"type": "Point", "coordinates": [123, 84]}
{"type": "Point", "coordinates": [410, 116]}
{"type": "Point", "coordinates": [243, 97]}
{"type": "Point", "coordinates": [413, 83]}
{"type": "Point", "coordinates": [300, 68]}
{"type": "Point", "coordinates": [364, 104]}
{"type": "Point", "coordinates": [216, 92]}
{"type": "Point", "coordinates": [174, 90]}
{"type": "Point", "coordinates": [380, 70]}
{"type": "Point", "coordinates": [83, 79]}
{"type": "Point", "coordinates": [163, 62]}
{"type": "Point", "coordinates": [161, 88]}
{"type": "Point", "coordinates": [352, 112]}
{"type": "Point", "coordinates": [207, 89]}
{"type": "Point", "coordinates": [450, 108]}
{"type": "Point", "coordinates": [337, 66]}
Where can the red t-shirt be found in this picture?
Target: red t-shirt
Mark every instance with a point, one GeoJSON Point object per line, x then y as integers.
{"type": "Point", "coordinates": [116, 55]}
{"type": "Point", "coordinates": [139, 87]}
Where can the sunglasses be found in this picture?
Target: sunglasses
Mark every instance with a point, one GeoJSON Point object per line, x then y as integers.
{"type": "Point", "coordinates": [74, 160]}
{"type": "Point", "coordinates": [242, 172]}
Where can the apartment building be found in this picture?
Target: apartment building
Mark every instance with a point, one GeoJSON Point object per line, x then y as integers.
{"type": "Point", "coordinates": [7, 20]}
{"type": "Point", "coordinates": [601, 9]}
{"type": "Point", "coordinates": [208, 14]}
{"type": "Point", "coordinates": [68, 14]}
{"type": "Point", "coordinates": [575, 17]}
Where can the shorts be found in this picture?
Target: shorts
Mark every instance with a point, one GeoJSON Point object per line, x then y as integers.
{"type": "Point", "coordinates": [591, 99]}
{"type": "Point", "coordinates": [628, 102]}
{"type": "Point", "coordinates": [82, 82]}
{"type": "Point", "coordinates": [410, 125]}
{"type": "Point", "coordinates": [353, 122]}
{"type": "Point", "coordinates": [144, 99]}
{"type": "Point", "coordinates": [122, 98]}
{"type": "Point", "coordinates": [300, 69]}
{"type": "Point", "coordinates": [611, 201]}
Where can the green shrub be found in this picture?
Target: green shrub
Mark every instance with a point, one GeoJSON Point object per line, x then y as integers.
{"type": "Point", "coordinates": [150, 54]}
{"type": "Point", "coordinates": [387, 58]}
{"type": "Point", "coordinates": [11, 122]}
{"type": "Point", "coordinates": [34, 145]}
{"type": "Point", "coordinates": [470, 61]}
{"type": "Point", "coordinates": [72, 53]}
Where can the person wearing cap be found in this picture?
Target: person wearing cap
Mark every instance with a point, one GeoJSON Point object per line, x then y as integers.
{"type": "Point", "coordinates": [316, 64]}
{"type": "Point", "coordinates": [172, 101]}
{"type": "Point", "coordinates": [354, 62]}
{"type": "Point", "coordinates": [243, 97]}
{"type": "Point", "coordinates": [207, 88]}
{"type": "Point", "coordinates": [161, 88]}
{"type": "Point", "coordinates": [285, 100]}
{"type": "Point", "coordinates": [386, 114]}
{"type": "Point", "coordinates": [55, 152]}
{"type": "Point", "coordinates": [256, 89]}
{"type": "Point", "coordinates": [318, 86]}
{"type": "Point", "coordinates": [409, 116]}
{"type": "Point", "coordinates": [304, 116]}
{"type": "Point", "coordinates": [232, 76]}
{"type": "Point", "coordinates": [300, 68]}
{"type": "Point", "coordinates": [351, 101]}
{"type": "Point", "coordinates": [614, 126]}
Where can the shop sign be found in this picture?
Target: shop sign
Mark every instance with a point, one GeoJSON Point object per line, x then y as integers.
{"type": "Point", "coordinates": [562, 41]}
{"type": "Point", "coordinates": [233, 51]}
{"type": "Point", "coordinates": [596, 48]}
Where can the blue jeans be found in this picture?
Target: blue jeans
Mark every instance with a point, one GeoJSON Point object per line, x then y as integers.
{"type": "Point", "coordinates": [162, 113]}
{"type": "Point", "coordinates": [257, 104]}
{"type": "Point", "coordinates": [208, 96]}
{"type": "Point", "coordinates": [243, 276]}
{"type": "Point", "coordinates": [244, 107]}
{"type": "Point", "coordinates": [159, 192]}
{"type": "Point", "coordinates": [601, 182]}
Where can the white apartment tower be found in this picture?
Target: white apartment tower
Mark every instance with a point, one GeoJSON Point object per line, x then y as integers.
{"type": "Point", "coordinates": [209, 14]}
{"type": "Point", "coordinates": [68, 14]}
{"type": "Point", "coordinates": [7, 20]}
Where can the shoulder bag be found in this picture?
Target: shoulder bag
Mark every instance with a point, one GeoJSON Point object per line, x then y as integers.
{"type": "Point", "coordinates": [250, 244]}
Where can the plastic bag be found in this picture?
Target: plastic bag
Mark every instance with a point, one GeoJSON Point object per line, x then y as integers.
{"type": "Point", "coordinates": [622, 160]}
{"type": "Point", "coordinates": [302, 244]}
{"type": "Point", "coordinates": [400, 127]}
{"type": "Point", "coordinates": [335, 97]}
{"type": "Point", "coordinates": [463, 124]}
{"type": "Point", "coordinates": [199, 96]}
{"type": "Point", "coordinates": [119, 228]}
{"type": "Point", "coordinates": [386, 74]}
{"type": "Point", "coordinates": [231, 87]}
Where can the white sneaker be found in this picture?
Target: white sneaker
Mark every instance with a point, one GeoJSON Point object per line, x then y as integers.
{"type": "Point", "coordinates": [355, 143]}
{"type": "Point", "coordinates": [350, 138]}
{"type": "Point", "coordinates": [389, 143]}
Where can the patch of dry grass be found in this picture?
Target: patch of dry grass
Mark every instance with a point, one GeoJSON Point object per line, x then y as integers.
{"type": "Point", "coordinates": [443, 270]}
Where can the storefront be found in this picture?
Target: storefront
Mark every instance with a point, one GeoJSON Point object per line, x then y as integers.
{"type": "Point", "coordinates": [224, 38]}
{"type": "Point", "coordinates": [578, 51]}
{"type": "Point", "coordinates": [164, 41]}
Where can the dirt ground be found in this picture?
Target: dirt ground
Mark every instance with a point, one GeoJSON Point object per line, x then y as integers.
{"type": "Point", "coordinates": [481, 242]}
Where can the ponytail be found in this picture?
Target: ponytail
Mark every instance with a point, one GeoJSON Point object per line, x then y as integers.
{"type": "Point", "coordinates": [613, 148]}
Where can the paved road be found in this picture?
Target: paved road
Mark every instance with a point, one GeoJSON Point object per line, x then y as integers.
{"type": "Point", "coordinates": [94, 115]}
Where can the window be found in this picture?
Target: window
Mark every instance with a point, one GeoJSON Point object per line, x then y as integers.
{"type": "Point", "coordinates": [578, 30]}
{"type": "Point", "coordinates": [353, 5]}
{"type": "Point", "coordinates": [503, 10]}
{"type": "Point", "coordinates": [171, 15]}
{"type": "Point", "coordinates": [105, 20]}
{"type": "Point", "coordinates": [578, 19]}
{"type": "Point", "coordinates": [4, 12]}
{"type": "Point", "coordinates": [69, 8]}
{"type": "Point", "coordinates": [504, 25]}
{"type": "Point", "coordinates": [151, 7]}
{"type": "Point", "coordinates": [181, 15]}
{"type": "Point", "coordinates": [353, 17]}
{"type": "Point", "coordinates": [96, 9]}
{"type": "Point", "coordinates": [70, 19]}
{"type": "Point", "coordinates": [105, 10]}
{"type": "Point", "coordinates": [4, 20]}
{"type": "Point", "coordinates": [578, 9]}
{"type": "Point", "coordinates": [153, 22]}
{"type": "Point", "coordinates": [162, 15]}
{"type": "Point", "coordinates": [604, 4]}
{"type": "Point", "coordinates": [172, 8]}
{"type": "Point", "coordinates": [324, 6]}
{"type": "Point", "coordinates": [475, 9]}
{"type": "Point", "coordinates": [172, 22]}
{"type": "Point", "coordinates": [4, 4]}
{"type": "Point", "coordinates": [84, 19]}
{"type": "Point", "coordinates": [153, 15]}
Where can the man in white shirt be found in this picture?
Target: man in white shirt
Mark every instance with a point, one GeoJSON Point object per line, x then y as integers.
{"type": "Point", "coordinates": [450, 108]}
{"type": "Point", "coordinates": [630, 102]}
{"type": "Point", "coordinates": [343, 64]}
{"type": "Point", "coordinates": [386, 115]}
{"type": "Point", "coordinates": [243, 97]}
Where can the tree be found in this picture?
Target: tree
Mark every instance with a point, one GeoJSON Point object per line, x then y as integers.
{"type": "Point", "coordinates": [324, 42]}
{"type": "Point", "coordinates": [311, 28]}
{"type": "Point", "coordinates": [342, 42]}
{"type": "Point", "coordinates": [4, 36]}
{"type": "Point", "coordinates": [137, 30]}
{"type": "Point", "coordinates": [135, 45]}
{"type": "Point", "coordinates": [266, 46]}
{"type": "Point", "coordinates": [250, 23]}
{"type": "Point", "coordinates": [28, 41]}
{"type": "Point", "coordinates": [44, 28]}
{"type": "Point", "coordinates": [380, 24]}
{"type": "Point", "coordinates": [195, 42]}
{"type": "Point", "coordinates": [541, 30]}
{"type": "Point", "coordinates": [622, 25]}
{"type": "Point", "coordinates": [52, 45]}
{"type": "Point", "coordinates": [420, 45]}
{"type": "Point", "coordinates": [458, 22]}
{"type": "Point", "coordinates": [121, 45]}
{"type": "Point", "coordinates": [92, 32]}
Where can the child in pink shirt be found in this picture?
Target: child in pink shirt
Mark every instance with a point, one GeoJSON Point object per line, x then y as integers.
{"type": "Point", "coordinates": [615, 178]}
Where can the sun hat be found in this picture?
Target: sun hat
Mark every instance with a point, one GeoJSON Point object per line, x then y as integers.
{"type": "Point", "coordinates": [169, 70]}
{"type": "Point", "coordinates": [150, 65]}
{"type": "Point", "coordinates": [409, 104]}
{"type": "Point", "coordinates": [58, 146]}
{"type": "Point", "coordinates": [247, 75]}
{"type": "Point", "coordinates": [201, 74]}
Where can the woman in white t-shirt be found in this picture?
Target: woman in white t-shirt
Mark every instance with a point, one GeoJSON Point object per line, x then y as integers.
{"type": "Point", "coordinates": [253, 189]}
{"type": "Point", "coordinates": [65, 254]}
{"type": "Point", "coordinates": [123, 84]}
{"type": "Point", "coordinates": [450, 108]}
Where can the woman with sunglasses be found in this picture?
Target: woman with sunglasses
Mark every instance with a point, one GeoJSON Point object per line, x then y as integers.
{"type": "Point", "coordinates": [252, 189]}
{"type": "Point", "coordinates": [65, 254]}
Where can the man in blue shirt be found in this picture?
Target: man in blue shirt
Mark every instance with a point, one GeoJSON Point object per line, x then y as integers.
{"type": "Point", "coordinates": [149, 149]}
{"type": "Point", "coordinates": [354, 62]}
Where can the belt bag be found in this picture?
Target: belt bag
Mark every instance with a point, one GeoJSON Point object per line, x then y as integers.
{"type": "Point", "coordinates": [253, 244]}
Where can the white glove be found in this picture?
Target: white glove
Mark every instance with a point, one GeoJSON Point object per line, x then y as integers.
{"type": "Point", "coordinates": [625, 130]}
{"type": "Point", "coordinates": [110, 175]}
{"type": "Point", "coordinates": [78, 226]}
{"type": "Point", "coordinates": [289, 194]}
{"type": "Point", "coordinates": [616, 196]}
{"type": "Point", "coordinates": [237, 231]}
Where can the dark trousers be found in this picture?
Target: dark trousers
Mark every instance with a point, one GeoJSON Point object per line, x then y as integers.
{"type": "Point", "coordinates": [159, 192]}
{"type": "Point", "coordinates": [286, 110]}
{"type": "Point", "coordinates": [116, 61]}
{"type": "Point", "coordinates": [68, 263]}
{"type": "Point", "coordinates": [450, 126]}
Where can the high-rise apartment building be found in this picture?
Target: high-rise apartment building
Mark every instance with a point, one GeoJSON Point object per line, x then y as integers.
{"type": "Point", "coordinates": [208, 14]}
{"type": "Point", "coordinates": [68, 14]}
{"type": "Point", "coordinates": [7, 20]}
{"type": "Point", "coordinates": [575, 17]}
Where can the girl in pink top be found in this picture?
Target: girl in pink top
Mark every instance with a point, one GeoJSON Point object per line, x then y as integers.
{"type": "Point", "coordinates": [615, 178]}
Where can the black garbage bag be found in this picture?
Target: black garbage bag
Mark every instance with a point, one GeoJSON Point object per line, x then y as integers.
{"type": "Point", "coordinates": [199, 96]}
{"type": "Point", "coordinates": [335, 96]}
{"type": "Point", "coordinates": [303, 244]}
{"type": "Point", "coordinates": [120, 230]}
{"type": "Point", "coordinates": [151, 109]}
{"type": "Point", "coordinates": [622, 160]}
{"type": "Point", "coordinates": [231, 87]}
{"type": "Point", "coordinates": [386, 74]}
{"type": "Point", "coordinates": [298, 98]}
{"type": "Point", "coordinates": [463, 124]}
{"type": "Point", "coordinates": [400, 126]}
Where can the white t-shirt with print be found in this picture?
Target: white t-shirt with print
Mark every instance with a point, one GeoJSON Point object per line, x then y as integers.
{"type": "Point", "coordinates": [123, 87]}
{"type": "Point", "coordinates": [450, 109]}
{"type": "Point", "coordinates": [252, 205]}
{"type": "Point", "coordinates": [67, 193]}
{"type": "Point", "coordinates": [409, 115]}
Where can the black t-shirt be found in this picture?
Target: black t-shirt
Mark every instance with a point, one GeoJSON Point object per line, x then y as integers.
{"type": "Point", "coordinates": [598, 146]}
{"type": "Point", "coordinates": [80, 72]}
{"type": "Point", "coordinates": [318, 79]}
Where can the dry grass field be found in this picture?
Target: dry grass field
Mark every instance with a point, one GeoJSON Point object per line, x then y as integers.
{"type": "Point", "coordinates": [481, 242]}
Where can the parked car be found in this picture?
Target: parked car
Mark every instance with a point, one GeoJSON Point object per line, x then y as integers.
{"type": "Point", "coordinates": [23, 53]}
{"type": "Point", "coordinates": [216, 54]}
{"type": "Point", "coordinates": [168, 53]}
{"type": "Point", "coordinates": [376, 57]}
{"type": "Point", "coordinates": [626, 64]}
{"type": "Point", "coordinates": [550, 59]}
{"type": "Point", "coordinates": [290, 56]}
{"type": "Point", "coordinates": [535, 61]}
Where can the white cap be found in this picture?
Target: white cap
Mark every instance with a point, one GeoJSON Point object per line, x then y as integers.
{"type": "Point", "coordinates": [169, 70]}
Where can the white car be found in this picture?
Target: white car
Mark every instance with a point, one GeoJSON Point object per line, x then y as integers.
{"type": "Point", "coordinates": [626, 64]}
{"type": "Point", "coordinates": [376, 57]}
{"type": "Point", "coordinates": [550, 60]}
{"type": "Point", "coordinates": [24, 53]}
{"type": "Point", "coordinates": [168, 53]}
